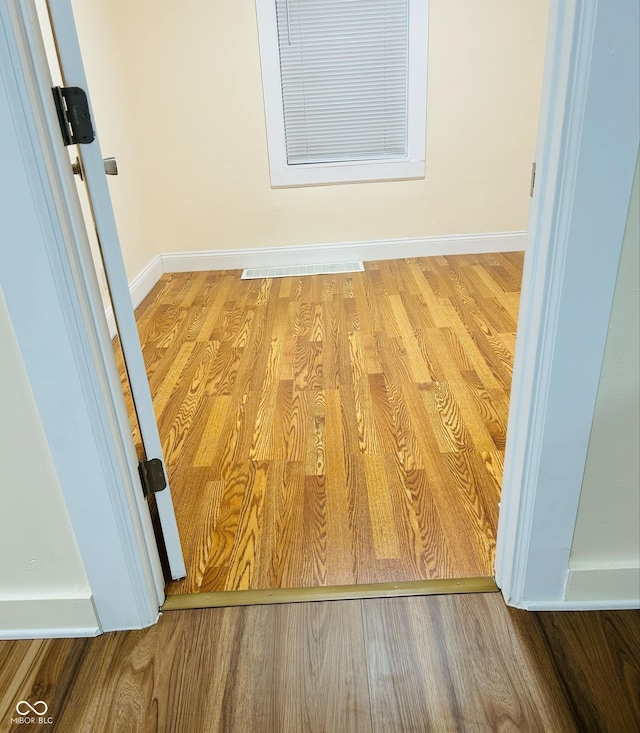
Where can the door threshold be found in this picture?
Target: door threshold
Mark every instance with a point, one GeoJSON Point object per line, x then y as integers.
{"type": "Point", "coordinates": [329, 593]}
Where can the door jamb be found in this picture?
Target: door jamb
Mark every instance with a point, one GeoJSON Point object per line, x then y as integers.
{"type": "Point", "coordinates": [95, 460]}
{"type": "Point", "coordinates": [587, 150]}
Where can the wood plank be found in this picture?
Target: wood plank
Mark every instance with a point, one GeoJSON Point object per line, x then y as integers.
{"type": "Point", "coordinates": [314, 528]}
{"type": "Point", "coordinates": [451, 684]}
{"type": "Point", "coordinates": [606, 691]}
{"type": "Point", "coordinates": [418, 368]}
{"type": "Point", "coordinates": [332, 658]}
{"type": "Point", "coordinates": [282, 537]}
{"type": "Point", "coordinates": [368, 440]}
{"type": "Point", "coordinates": [385, 533]}
{"type": "Point", "coordinates": [225, 532]}
{"type": "Point", "coordinates": [263, 447]}
{"type": "Point", "coordinates": [217, 410]}
{"type": "Point", "coordinates": [340, 554]}
{"type": "Point", "coordinates": [315, 455]}
{"type": "Point", "coordinates": [244, 556]}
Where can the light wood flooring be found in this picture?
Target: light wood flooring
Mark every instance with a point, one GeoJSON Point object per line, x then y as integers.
{"type": "Point", "coordinates": [335, 430]}
{"type": "Point", "coordinates": [398, 665]}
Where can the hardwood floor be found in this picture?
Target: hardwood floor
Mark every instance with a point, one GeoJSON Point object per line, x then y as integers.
{"type": "Point", "coordinates": [335, 430]}
{"type": "Point", "coordinates": [438, 663]}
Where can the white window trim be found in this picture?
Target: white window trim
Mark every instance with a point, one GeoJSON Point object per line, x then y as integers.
{"type": "Point", "coordinates": [313, 174]}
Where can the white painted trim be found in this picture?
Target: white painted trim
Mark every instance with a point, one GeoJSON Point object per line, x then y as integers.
{"type": "Point", "coordinates": [587, 148]}
{"type": "Point", "coordinates": [324, 174]}
{"type": "Point", "coordinates": [314, 174]}
{"type": "Point", "coordinates": [54, 302]}
{"type": "Point", "coordinates": [606, 581]}
{"type": "Point", "coordinates": [601, 605]}
{"type": "Point", "coordinates": [322, 254]}
{"type": "Point", "coordinates": [144, 281]}
{"type": "Point", "coordinates": [48, 617]}
{"type": "Point", "coordinates": [103, 220]}
{"type": "Point", "coordinates": [139, 288]}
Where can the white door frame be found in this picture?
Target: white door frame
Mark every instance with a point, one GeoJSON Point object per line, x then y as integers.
{"type": "Point", "coordinates": [49, 283]}
{"type": "Point", "coordinates": [577, 222]}
{"type": "Point", "coordinates": [587, 149]}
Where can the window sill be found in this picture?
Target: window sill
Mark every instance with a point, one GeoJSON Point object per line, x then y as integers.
{"type": "Point", "coordinates": [331, 173]}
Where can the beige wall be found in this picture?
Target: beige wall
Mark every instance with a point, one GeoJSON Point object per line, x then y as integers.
{"type": "Point", "coordinates": [103, 28]}
{"type": "Point", "coordinates": [39, 558]}
{"type": "Point", "coordinates": [177, 92]}
{"type": "Point", "coordinates": [607, 535]}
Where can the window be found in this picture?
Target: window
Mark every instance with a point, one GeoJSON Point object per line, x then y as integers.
{"type": "Point", "coordinates": [345, 86]}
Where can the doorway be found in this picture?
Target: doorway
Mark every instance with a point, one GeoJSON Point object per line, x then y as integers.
{"type": "Point", "coordinates": [335, 430]}
{"type": "Point", "coordinates": [569, 278]}
{"type": "Point", "coordinates": [453, 284]}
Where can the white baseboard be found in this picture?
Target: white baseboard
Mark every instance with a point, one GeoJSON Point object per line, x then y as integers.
{"type": "Point", "coordinates": [581, 605]}
{"type": "Point", "coordinates": [48, 618]}
{"type": "Point", "coordinates": [322, 254]}
{"type": "Point", "coordinates": [139, 288]}
{"type": "Point", "coordinates": [316, 254]}
{"type": "Point", "coordinates": [605, 587]}
{"type": "Point", "coordinates": [620, 582]}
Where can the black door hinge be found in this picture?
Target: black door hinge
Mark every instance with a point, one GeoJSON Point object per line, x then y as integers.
{"type": "Point", "coordinates": [72, 107]}
{"type": "Point", "coordinates": [152, 476]}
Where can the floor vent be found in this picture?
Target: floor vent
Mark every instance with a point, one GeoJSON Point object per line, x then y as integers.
{"type": "Point", "coordinates": [256, 273]}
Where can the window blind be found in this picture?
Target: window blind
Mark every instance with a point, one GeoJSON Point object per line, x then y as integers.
{"type": "Point", "coordinates": [344, 76]}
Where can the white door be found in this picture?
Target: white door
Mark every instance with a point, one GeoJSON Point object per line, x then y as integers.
{"type": "Point", "coordinates": [90, 155]}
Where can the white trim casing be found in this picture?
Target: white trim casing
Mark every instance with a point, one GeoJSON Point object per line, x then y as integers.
{"type": "Point", "coordinates": [314, 174]}
{"type": "Point", "coordinates": [587, 148]}
{"type": "Point", "coordinates": [54, 302]}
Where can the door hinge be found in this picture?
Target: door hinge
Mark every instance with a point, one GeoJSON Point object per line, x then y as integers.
{"type": "Point", "coordinates": [533, 179]}
{"type": "Point", "coordinates": [152, 476]}
{"type": "Point", "coordinates": [72, 107]}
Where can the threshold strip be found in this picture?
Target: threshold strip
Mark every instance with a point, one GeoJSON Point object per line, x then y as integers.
{"type": "Point", "coordinates": [220, 599]}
